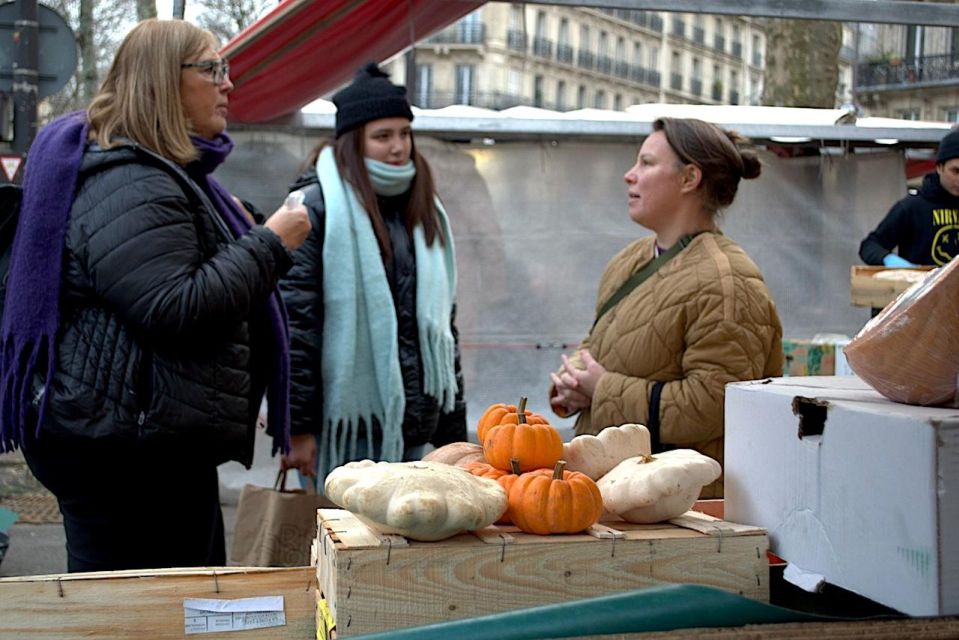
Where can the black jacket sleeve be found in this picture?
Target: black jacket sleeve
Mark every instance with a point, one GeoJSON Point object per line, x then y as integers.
{"type": "Point", "coordinates": [302, 290]}
{"type": "Point", "coordinates": [886, 237]}
{"type": "Point", "coordinates": [452, 426]}
{"type": "Point", "coordinates": [148, 264]}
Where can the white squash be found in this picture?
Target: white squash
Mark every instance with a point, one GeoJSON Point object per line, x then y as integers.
{"type": "Point", "coordinates": [649, 489]}
{"type": "Point", "coordinates": [419, 500]}
{"type": "Point", "coordinates": [596, 455]}
{"type": "Point", "coordinates": [458, 454]}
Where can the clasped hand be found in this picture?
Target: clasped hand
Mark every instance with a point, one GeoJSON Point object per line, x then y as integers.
{"type": "Point", "coordinates": [573, 387]}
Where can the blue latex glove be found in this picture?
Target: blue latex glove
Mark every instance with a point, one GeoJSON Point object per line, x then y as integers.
{"type": "Point", "coordinates": [892, 260]}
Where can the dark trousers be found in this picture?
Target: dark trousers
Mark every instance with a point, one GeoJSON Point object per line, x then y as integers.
{"type": "Point", "coordinates": [132, 507]}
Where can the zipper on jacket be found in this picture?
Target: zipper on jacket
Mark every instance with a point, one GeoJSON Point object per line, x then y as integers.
{"type": "Point", "coordinates": [143, 390]}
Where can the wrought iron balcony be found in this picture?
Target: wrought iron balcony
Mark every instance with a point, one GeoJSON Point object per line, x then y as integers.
{"type": "Point", "coordinates": [925, 70]}
{"type": "Point", "coordinates": [737, 49]}
{"type": "Point", "coordinates": [699, 35]}
{"type": "Point", "coordinates": [676, 81]}
{"type": "Point", "coordinates": [516, 40]}
{"type": "Point", "coordinates": [733, 97]}
{"type": "Point", "coordinates": [585, 60]}
{"type": "Point", "coordinates": [462, 33]}
{"type": "Point", "coordinates": [719, 42]}
{"type": "Point", "coordinates": [604, 64]}
{"type": "Point", "coordinates": [621, 69]}
{"type": "Point", "coordinates": [679, 28]}
{"type": "Point", "coordinates": [717, 92]}
{"type": "Point", "coordinates": [656, 23]}
{"type": "Point", "coordinates": [542, 47]}
{"type": "Point", "coordinates": [564, 53]}
{"type": "Point", "coordinates": [653, 78]}
{"type": "Point", "coordinates": [696, 87]}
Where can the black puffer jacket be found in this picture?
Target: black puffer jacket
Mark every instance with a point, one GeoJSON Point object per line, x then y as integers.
{"type": "Point", "coordinates": [302, 289]}
{"type": "Point", "coordinates": [162, 316]}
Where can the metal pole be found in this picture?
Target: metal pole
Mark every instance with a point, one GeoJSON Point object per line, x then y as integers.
{"type": "Point", "coordinates": [25, 76]}
{"type": "Point", "coordinates": [179, 6]}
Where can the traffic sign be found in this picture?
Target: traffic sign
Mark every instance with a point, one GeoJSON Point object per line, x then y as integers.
{"type": "Point", "coordinates": [57, 48]}
{"type": "Point", "coordinates": [10, 164]}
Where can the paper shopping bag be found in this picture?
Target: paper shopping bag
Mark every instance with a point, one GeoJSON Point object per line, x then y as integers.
{"type": "Point", "coordinates": [275, 527]}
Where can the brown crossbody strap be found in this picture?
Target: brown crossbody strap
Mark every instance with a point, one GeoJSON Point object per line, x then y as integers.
{"type": "Point", "coordinates": [641, 276]}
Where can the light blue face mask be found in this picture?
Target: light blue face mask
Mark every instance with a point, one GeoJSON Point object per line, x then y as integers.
{"type": "Point", "coordinates": [388, 179]}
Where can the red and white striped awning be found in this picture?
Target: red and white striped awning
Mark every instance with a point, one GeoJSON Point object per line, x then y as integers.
{"type": "Point", "coordinates": [305, 48]}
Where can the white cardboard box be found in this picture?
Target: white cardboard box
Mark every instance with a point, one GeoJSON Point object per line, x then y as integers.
{"type": "Point", "coordinates": [851, 486]}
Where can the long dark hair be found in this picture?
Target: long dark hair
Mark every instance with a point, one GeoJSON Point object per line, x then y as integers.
{"type": "Point", "coordinates": [420, 208]}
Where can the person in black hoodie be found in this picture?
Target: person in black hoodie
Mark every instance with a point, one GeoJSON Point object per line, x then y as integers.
{"type": "Point", "coordinates": [923, 227]}
{"type": "Point", "coordinates": [374, 347]}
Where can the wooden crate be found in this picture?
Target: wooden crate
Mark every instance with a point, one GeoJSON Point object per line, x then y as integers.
{"type": "Point", "coordinates": [149, 604]}
{"type": "Point", "coordinates": [865, 290]}
{"type": "Point", "coordinates": [370, 582]}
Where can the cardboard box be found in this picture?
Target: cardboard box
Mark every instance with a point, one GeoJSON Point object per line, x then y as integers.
{"type": "Point", "coordinates": [808, 358]}
{"type": "Point", "coordinates": [851, 486]}
{"type": "Point", "coordinates": [865, 290]}
{"type": "Point", "coordinates": [371, 582]}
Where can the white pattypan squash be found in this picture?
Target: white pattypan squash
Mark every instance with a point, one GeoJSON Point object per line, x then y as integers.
{"type": "Point", "coordinates": [596, 455]}
{"type": "Point", "coordinates": [649, 489]}
{"type": "Point", "coordinates": [419, 500]}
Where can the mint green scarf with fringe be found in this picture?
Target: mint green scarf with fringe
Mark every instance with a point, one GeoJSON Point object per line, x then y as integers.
{"type": "Point", "coordinates": [360, 363]}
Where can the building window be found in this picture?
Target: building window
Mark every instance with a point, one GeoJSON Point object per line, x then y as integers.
{"type": "Point", "coordinates": [424, 85]}
{"type": "Point", "coordinates": [517, 19]}
{"type": "Point", "coordinates": [584, 43]}
{"type": "Point", "coordinates": [514, 81]}
{"type": "Point", "coordinates": [600, 100]}
{"type": "Point", "coordinates": [538, 91]}
{"type": "Point", "coordinates": [654, 58]}
{"type": "Point", "coordinates": [637, 54]}
{"type": "Point", "coordinates": [952, 115]}
{"type": "Point", "coordinates": [581, 97]}
{"type": "Point", "coordinates": [540, 24]}
{"type": "Point", "coordinates": [757, 51]}
{"type": "Point", "coordinates": [465, 91]}
{"type": "Point", "coordinates": [909, 114]}
{"type": "Point", "coordinates": [618, 102]}
{"type": "Point", "coordinates": [561, 95]}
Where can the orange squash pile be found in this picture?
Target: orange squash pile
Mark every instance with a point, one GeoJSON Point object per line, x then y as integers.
{"type": "Point", "coordinates": [522, 452]}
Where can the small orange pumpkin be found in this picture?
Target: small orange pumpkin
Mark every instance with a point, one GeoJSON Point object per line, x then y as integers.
{"type": "Point", "coordinates": [500, 413]}
{"type": "Point", "coordinates": [533, 445]}
{"type": "Point", "coordinates": [504, 478]}
{"type": "Point", "coordinates": [548, 501]}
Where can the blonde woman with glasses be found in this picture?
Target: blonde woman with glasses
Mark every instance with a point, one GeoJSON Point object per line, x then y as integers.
{"type": "Point", "coordinates": [142, 325]}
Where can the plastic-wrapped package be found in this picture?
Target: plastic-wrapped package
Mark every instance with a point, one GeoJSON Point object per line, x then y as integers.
{"type": "Point", "coordinates": [910, 351]}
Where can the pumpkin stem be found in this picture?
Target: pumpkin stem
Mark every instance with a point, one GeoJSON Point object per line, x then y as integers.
{"type": "Point", "coordinates": [514, 464]}
{"type": "Point", "coordinates": [558, 469]}
{"type": "Point", "coordinates": [647, 458]}
{"type": "Point", "coordinates": [521, 411]}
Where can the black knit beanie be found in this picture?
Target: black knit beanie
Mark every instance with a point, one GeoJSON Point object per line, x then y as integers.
{"type": "Point", "coordinates": [370, 96]}
{"type": "Point", "coordinates": [948, 147]}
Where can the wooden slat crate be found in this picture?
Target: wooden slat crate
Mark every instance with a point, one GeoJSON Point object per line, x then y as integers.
{"type": "Point", "coordinates": [865, 290]}
{"type": "Point", "coordinates": [149, 604]}
{"type": "Point", "coordinates": [371, 582]}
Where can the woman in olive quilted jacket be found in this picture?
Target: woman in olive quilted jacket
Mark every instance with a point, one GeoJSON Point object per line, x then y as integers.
{"type": "Point", "coordinates": [662, 352]}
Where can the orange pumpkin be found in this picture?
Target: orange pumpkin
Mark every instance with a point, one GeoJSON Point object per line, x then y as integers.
{"type": "Point", "coordinates": [548, 501]}
{"type": "Point", "coordinates": [504, 478]}
{"type": "Point", "coordinates": [500, 413]}
{"type": "Point", "coordinates": [533, 445]}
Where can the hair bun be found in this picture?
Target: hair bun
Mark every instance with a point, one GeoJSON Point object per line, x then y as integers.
{"type": "Point", "coordinates": [752, 167]}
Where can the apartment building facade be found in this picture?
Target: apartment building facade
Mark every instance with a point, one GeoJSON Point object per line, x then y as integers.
{"type": "Point", "coordinates": [910, 72]}
{"type": "Point", "coordinates": [563, 58]}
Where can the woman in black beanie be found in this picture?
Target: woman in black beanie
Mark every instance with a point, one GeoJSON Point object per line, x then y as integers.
{"type": "Point", "coordinates": [374, 353]}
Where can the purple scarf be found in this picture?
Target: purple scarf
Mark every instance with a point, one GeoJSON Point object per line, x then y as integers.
{"type": "Point", "coordinates": [31, 306]}
{"type": "Point", "coordinates": [212, 154]}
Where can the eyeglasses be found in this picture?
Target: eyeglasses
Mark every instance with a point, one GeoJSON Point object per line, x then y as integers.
{"type": "Point", "coordinates": [219, 70]}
